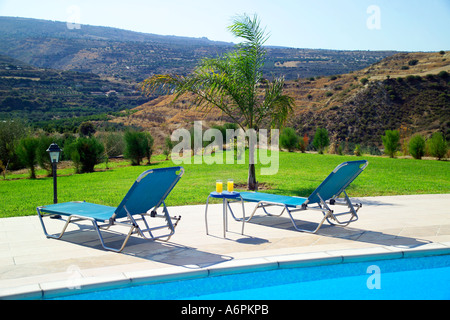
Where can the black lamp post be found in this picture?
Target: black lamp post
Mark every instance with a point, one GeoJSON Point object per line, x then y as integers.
{"type": "Point", "coordinates": [54, 152]}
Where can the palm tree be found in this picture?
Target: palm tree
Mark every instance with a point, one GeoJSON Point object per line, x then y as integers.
{"type": "Point", "coordinates": [233, 83]}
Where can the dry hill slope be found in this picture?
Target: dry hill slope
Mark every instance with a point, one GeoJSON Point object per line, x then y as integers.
{"type": "Point", "coordinates": [408, 89]}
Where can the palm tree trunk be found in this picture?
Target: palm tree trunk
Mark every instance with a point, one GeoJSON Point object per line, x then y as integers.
{"type": "Point", "coordinates": [252, 186]}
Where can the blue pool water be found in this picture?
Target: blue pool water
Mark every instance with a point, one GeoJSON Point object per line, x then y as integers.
{"type": "Point", "coordinates": [413, 278]}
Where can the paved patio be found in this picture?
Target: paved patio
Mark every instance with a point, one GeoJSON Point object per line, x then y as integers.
{"type": "Point", "coordinates": [29, 262]}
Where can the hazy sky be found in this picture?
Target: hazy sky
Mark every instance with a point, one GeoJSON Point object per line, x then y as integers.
{"type": "Point", "coordinates": [410, 25]}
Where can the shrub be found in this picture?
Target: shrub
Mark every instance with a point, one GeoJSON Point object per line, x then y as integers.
{"type": "Point", "coordinates": [11, 131]}
{"type": "Point", "coordinates": [168, 146]}
{"type": "Point", "coordinates": [437, 146]}
{"type": "Point", "coordinates": [43, 157]}
{"type": "Point", "coordinates": [26, 151]}
{"type": "Point", "coordinates": [289, 139]}
{"type": "Point", "coordinates": [321, 139]}
{"type": "Point", "coordinates": [417, 146]}
{"type": "Point", "coordinates": [364, 81]}
{"type": "Point", "coordinates": [86, 129]}
{"type": "Point", "coordinates": [113, 143]}
{"type": "Point", "coordinates": [86, 153]}
{"type": "Point", "coordinates": [304, 143]}
{"type": "Point", "coordinates": [148, 146]}
{"type": "Point", "coordinates": [358, 151]}
{"type": "Point", "coordinates": [444, 75]}
{"type": "Point", "coordinates": [391, 142]}
{"type": "Point", "coordinates": [138, 146]}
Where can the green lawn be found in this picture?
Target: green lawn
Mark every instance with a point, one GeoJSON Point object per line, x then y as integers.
{"type": "Point", "coordinates": [299, 174]}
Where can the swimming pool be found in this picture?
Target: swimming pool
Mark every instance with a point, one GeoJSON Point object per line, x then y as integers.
{"type": "Point", "coordinates": [406, 278]}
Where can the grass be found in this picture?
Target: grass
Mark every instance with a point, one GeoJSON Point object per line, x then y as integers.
{"type": "Point", "coordinates": [298, 175]}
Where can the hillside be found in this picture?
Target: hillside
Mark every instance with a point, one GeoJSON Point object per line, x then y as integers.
{"type": "Point", "coordinates": [399, 92]}
{"type": "Point", "coordinates": [406, 90]}
{"type": "Point", "coordinates": [134, 56]}
{"type": "Point", "coordinates": [60, 100]}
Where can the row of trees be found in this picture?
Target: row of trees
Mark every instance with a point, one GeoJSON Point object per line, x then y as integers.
{"type": "Point", "coordinates": [24, 148]}
{"type": "Point", "coordinates": [417, 145]}
{"type": "Point", "coordinates": [291, 141]}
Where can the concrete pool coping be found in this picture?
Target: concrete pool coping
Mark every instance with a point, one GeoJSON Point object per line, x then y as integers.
{"type": "Point", "coordinates": [419, 233]}
{"type": "Point", "coordinates": [49, 290]}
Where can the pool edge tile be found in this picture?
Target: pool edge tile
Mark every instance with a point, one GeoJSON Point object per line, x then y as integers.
{"type": "Point", "coordinates": [366, 254]}
{"type": "Point", "coordinates": [427, 250]}
{"type": "Point", "coordinates": [305, 259]}
{"type": "Point", "coordinates": [83, 285]}
{"type": "Point", "coordinates": [164, 275]}
{"type": "Point", "coordinates": [242, 265]}
{"type": "Point", "coordinates": [26, 292]}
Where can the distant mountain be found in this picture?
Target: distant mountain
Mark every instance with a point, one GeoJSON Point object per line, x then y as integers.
{"type": "Point", "coordinates": [134, 56]}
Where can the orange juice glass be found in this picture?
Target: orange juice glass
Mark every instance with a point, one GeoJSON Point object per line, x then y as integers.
{"type": "Point", "coordinates": [230, 185]}
{"type": "Point", "coordinates": [219, 186]}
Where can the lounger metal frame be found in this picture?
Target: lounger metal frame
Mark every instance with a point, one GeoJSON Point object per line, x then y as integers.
{"type": "Point", "coordinates": [323, 205]}
{"type": "Point", "coordinates": [130, 221]}
{"type": "Point", "coordinates": [328, 214]}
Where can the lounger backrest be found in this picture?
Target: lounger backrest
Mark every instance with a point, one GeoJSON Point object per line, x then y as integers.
{"type": "Point", "coordinates": [149, 190]}
{"type": "Point", "coordinates": [338, 180]}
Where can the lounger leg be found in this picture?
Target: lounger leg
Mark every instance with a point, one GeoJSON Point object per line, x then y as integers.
{"type": "Point", "coordinates": [225, 226]}
{"type": "Point", "coordinates": [305, 230]}
{"type": "Point", "coordinates": [206, 215]}
{"type": "Point", "coordinates": [41, 218]}
{"type": "Point", "coordinates": [132, 230]}
{"type": "Point", "coordinates": [243, 215]}
{"type": "Point", "coordinates": [151, 236]}
{"type": "Point", "coordinates": [353, 212]}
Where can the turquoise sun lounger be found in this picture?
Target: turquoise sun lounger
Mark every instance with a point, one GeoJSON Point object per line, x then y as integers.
{"type": "Point", "coordinates": [321, 199]}
{"type": "Point", "coordinates": [135, 212]}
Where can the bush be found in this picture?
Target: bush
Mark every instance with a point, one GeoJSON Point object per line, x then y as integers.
{"type": "Point", "coordinates": [437, 146]}
{"type": "Point", "coordinates": [86, 129]}
{"type": "Point", "coordinates": [138, 146]}
{"type": "Point", "coordinates": [289, 139]}
{"type": "Point", "coordinates": [321, 139]}
{"type": "Point", "coordinates": [43, 157]}
{"type": "Point", "coordinates": [364, 81]}
{"type": "Point", "coordinates": [444, 75]}
{"type": "Point", "coordinates": [417, 146]}
{"type": "Point", "coordinates": [357, 151]}
{"type": "Point", "coordinates": [11, 131]}
{"type": "Point", "coordinates": [113, 143]}
{"type": "Point", "coordinates": [391, 142]}
{"type": "Point", "coordinates": [149, 146]}
{"type": "Point", "coordinates": [86, 153]}
{"type": "Point", "coordinates": [26, 151]}
{"type": "Point", "coordinates": [304, 142]}
{"type": "Point", "coordinates": [168, 146]}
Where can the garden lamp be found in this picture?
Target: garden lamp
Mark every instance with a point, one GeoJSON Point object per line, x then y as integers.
{"type": "Point", "coordinates": [54, 151]}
